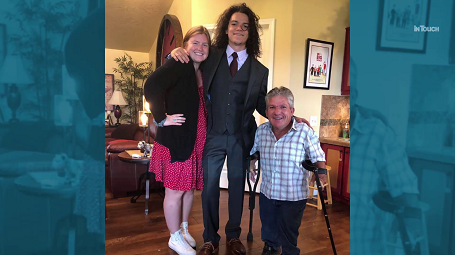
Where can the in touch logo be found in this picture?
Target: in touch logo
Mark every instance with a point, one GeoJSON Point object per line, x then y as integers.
{"type": "Point", "coordinates": [423, 28]}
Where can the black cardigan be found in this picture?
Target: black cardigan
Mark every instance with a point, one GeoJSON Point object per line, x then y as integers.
{"type": "Point", "coordinates": [172, 89]}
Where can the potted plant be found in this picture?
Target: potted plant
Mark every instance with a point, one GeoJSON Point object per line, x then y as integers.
{"type": "Point", "coordinates": [43, 26]}
{"type": "Point", "coordinates": [131, 82]}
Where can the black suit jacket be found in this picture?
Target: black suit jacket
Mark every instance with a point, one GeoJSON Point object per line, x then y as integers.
{"type": "Point", "coordinates": [172, 89]}
{"type": "Point", "coordinates": [254, 98]}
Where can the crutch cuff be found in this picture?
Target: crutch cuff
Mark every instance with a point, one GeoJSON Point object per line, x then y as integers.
{"type": "Point", "coordinates": [255, 156]}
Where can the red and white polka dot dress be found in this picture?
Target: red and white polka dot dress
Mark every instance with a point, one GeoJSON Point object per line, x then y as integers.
{"type": "Point", "coordinates": [182, 175]}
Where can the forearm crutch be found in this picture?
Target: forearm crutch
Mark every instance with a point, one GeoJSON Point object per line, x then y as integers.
{"type": "Point", "coordinates": [384, 201]}
{"type": "Point", "coordinates": [252, 192]}
{"type": "Point", "coordinates": [316, 171]}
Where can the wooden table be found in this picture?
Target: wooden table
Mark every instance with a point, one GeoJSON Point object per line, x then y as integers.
{"type": "Point", "coordinates": [28, 185]}
{"type": "Point", "coordinates": [14, 178]}
{"type": "Point", "coordinates": [125, 157]}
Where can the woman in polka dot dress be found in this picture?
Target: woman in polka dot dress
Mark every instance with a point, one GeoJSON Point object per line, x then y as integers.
{"type": "Point", "coordinates": [176, 93]}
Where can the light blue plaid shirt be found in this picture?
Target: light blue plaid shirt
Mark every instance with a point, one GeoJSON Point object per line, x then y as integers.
{"type": "Point", "coordinates": [378, 162]}
{"type": "Point", "coordinates": [283, 177]}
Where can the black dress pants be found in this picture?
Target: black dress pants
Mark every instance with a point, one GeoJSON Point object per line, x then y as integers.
{"type": "Point", "coordinates": [217, 147]}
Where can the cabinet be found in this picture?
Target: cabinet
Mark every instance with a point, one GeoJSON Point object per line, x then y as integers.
{"type": "Point", "coordinates": [337, 157]}
{"type": "Point", "coordinates": [345, 187]}
{"type": "Point", "coordinates": [345, 81]}
{"type": "Point", "coordinates": [436, 181]}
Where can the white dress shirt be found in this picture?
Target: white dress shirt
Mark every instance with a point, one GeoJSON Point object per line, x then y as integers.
{"type": "Point", "coordinates": [241, 56]}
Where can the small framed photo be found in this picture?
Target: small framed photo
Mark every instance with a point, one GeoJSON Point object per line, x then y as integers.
{"type": "Point", "coordinates": [3, 41]}
{"type": "Point", "coordinates": [452, 43]}
{"type": "Point", "coordinates": [108, 91]}
{"type": "Point", "coordinates": [318, 64]}
{"type": "Point", "coordinates": [403, 25]}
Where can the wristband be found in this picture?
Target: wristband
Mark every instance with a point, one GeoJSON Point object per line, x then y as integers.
{"type": "Point", "coordinates": [161, 124]}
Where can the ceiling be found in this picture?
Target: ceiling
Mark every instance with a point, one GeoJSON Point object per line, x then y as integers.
{"type": "Point", "coordinates": [133, 24]}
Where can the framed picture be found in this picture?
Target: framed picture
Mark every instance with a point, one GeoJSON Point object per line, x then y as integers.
{"type": "Point", "coordinates": [108, 90]}
{"type": "Point", "coordinates": [2, 43]}
{"type": "Point", "coordinates": [403, 25]}
{"type": "Point", "coordinates": [318, 64]}
{"type": "Point", "coordinates": [452, 40]}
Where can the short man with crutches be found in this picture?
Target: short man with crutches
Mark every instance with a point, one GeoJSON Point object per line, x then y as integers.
{"type": "Point", "coordinates": [283, 144]}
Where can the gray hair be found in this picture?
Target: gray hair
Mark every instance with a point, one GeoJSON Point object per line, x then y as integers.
{"type": "Point", "coordinates": [280, 91]}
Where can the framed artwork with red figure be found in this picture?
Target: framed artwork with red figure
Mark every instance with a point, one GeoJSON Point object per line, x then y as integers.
{"type": "Point", "coordinates": [318, 64]}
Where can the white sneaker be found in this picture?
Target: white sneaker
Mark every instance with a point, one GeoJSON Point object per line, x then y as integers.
{"type": "Point", "coordinates": [179, 245]}
{"type": "Point", "coordinates": [188, 238]}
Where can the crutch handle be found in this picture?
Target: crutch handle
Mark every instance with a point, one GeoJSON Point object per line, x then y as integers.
{"type": "Point", "coordinates": [309, 166]}
{"type": "Point", "coordinates": [255, 156]}
{"type": "Point", "coordinates": [252, 188]}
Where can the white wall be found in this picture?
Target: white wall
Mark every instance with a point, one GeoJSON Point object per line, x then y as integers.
{"type": "Point", "coordinates": [111, 54]}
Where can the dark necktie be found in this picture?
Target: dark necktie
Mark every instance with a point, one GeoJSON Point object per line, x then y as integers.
{"type": "Point", "coordinates": [234, 65]}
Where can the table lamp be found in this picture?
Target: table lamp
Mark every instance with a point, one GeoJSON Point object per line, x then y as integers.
{"type": "Point", "coordinates": [13, 72]}
{"type": "Point", "coordinates": [148, 113]}
{"type": "Point", "coordinates": [117, 100]}
{"type": "Point", "coordinates": [143, 122]}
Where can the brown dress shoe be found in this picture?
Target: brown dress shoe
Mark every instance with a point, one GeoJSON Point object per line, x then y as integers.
{"type": "Point", "coordinates": [235, 246]}
{"type": "Point", "coordinates": [208, 248]}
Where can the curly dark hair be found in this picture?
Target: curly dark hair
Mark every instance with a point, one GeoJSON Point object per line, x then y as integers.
{"type": "Point", "coordinates": [253, 44]}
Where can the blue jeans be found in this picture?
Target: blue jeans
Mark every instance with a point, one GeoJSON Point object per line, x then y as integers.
{"type": "Point", "coordinates": [281, 222]}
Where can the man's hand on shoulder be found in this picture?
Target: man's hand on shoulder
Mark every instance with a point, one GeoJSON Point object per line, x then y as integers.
{"type": "Point", "coordinates": [180, 54]}
{"type": "Point", "coordinates": [302, 120]}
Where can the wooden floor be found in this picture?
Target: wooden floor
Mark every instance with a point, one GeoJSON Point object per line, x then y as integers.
{"type": "Point", "coordinates": [130, 231]}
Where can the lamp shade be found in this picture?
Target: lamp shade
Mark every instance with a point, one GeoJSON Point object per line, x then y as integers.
{"type": "Point", "coordinates": [117, 99]}
{"type": "Point", "coordinates": [63, 112]}
{"type": "Point", "coordinates": [13, 71]}
{"type": "Point", "coordinates": [68, 85]}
